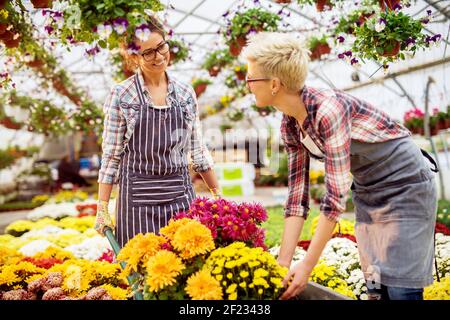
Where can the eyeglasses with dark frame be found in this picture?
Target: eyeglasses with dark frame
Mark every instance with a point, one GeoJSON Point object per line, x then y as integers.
{"type": "Point", "coordinates": [150, 54]}
{"type": "Point", "coordinates": [248, 80]}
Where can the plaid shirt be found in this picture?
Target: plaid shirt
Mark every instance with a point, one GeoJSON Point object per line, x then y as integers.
{"type": "Point", "coordinates": [121, 110]}
{"type": "Point", "coordinates": [334, 119]}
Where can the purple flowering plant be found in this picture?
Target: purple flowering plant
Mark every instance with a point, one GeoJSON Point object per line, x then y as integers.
{"type": "Point", "coordinates": [386, 37]}
{"type": "Point", "coordinates": [229, 221]}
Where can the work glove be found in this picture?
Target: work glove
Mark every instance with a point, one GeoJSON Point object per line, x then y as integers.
{"type": "Point", "coordinates": [103, 219]}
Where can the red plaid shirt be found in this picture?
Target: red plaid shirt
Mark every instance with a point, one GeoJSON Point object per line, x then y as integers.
{"type": "Point", "coordinates": [334, 119]}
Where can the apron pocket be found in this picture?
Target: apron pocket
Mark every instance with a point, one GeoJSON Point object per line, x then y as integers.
{"type": "Point", "coordinates": [157, 189]}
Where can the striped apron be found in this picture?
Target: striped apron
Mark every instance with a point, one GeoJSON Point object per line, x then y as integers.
{"type": "Point", "coordinates": [395, 197]}
{"type": "Point", "coordinates": [154, 180]}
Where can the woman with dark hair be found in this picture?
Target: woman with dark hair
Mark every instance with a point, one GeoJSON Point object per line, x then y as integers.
{"type": "Point", "coordinates": [151, 123]}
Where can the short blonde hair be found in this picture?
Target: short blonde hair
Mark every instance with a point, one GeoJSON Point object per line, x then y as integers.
{"type": "Point", "coordinates": [279, 55]}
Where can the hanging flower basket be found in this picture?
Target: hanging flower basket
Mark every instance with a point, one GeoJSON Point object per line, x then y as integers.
{"type": "Point", "coordinates": [41, 4]}
{"type": "Point", "coordinates": [200, 86]}
{"type": "Point", "coordinates": [241, 71]}
{"type": "Point", "coordinates": [237, 45]}
{"type": "Point", "coordinates": [216, 60]}
{"type": "Point", "coordinates": [200, 89]}
{"type": "Point", "coordinates": [318, 47]}
{"type": "Point", "coordinates": [214, 71]}
{"type": "Point", "coordinates": [178, 51]}
{"type": "Point", "coordinates": [243, 23]}
{"type": "Point", "coordinates": [390, 4]}
{"type": "Point", "coordinates": [322, 5]}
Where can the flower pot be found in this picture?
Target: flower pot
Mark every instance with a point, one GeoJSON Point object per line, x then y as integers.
{"type": "Point", "coordinates": [13, 43]}
{"type": "Point", "coordinates": [214, 71]}
{"type": "Point", "coordinates": [363, 17]}
{"type": "Point", "coordinates": [235, 49]}
{"type": "Point", "coordinates": [8, 123]}
{"type": "Point", "coordinates": [441, 125]}
{"type": "Point", "coordinates": [320, 50]}
{"type": "Point", "coordinates": [283, 1]}
{"type": "Point", "coordinates": [7, 35]}
{"type": "Point", "coordinates": [240, 75]}
{"type": "Point", "coordinates": [199, 89]}
{"type": "Point", "coordinates": [36, 63]}
{"type": "Point", "coordinates": [421, 131]}
{"type": "Point", "coordinates": [389, 3]}
{"type": "Point", "coordinates": [322, 5]}
{"type": "Point", "coordinates": [3, 3]}
{"type": "Point", "coordinates": [392, 51]}
{"type": "Point", "coordinates": [447, 123]}
{"type": "Point", "coordinates": [433, 131]}
{"type": "Point", "coordinates": [40, 4]}
{"type": "Point", "coordinates": [3, 27]}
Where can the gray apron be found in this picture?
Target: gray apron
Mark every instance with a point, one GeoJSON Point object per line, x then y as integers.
{"type": "Point", "coordinates": [154, 180]}
{"type": "Point", "coordinates": [395, 197]}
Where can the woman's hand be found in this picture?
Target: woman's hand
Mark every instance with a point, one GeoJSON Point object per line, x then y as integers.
{"type": "Point", "coordinates": [102, 218]}
{"type": "Point", "coordinates": [299, 275]}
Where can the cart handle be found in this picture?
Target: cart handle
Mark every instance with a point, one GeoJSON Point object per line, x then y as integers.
{"type": "Point", "coordinates": [116, 248]}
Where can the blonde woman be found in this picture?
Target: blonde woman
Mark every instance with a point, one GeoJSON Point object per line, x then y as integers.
{"type": "Point", "coordinates": [151, 123]}
{"type": "Point", "coordinates": [393, 185]}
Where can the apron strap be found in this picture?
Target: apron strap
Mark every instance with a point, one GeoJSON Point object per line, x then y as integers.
{"type": "Point", "coordinates": [430, 158]}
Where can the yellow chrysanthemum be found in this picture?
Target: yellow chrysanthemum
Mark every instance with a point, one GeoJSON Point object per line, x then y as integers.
{"type": "Point", "coordinates": [193, 239]}
{"type": "Point", "coordinates": [203, 286]}
{"type": "Point", "coordinates": [9, 256]}
{"type": "Point", "coordinates": [54, 252]}
{"type": "Point", "coordinates": [139, 249]}
{"type": "Point", "coordinates": [116, 293]}
{"type": "Point", "coordinates": [173, 226]}
{"type": "Point", "coordinates": [162, 270]}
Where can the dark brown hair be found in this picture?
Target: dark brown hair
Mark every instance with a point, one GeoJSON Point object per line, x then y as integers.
{"type": "Point", "coordinates": [155, 26]}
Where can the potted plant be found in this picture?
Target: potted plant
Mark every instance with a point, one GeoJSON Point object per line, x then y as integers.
{"type": "Point", "coordinates": [318, 47]}
{"type": "Point", "coordinates": [200, 85]}
{"type": "Point", "coordinates": [241, 71]}
{"type": "Point", "coordinates": [354, 19]}
{"type": "Point", "coordinates": [216, 60]}
{"type": "Point", "coordinates": [387, 36]}
{"type": "Point", "coordinates": [243, 23]}
{"type": "Point", "coordinates": [178, 51]}
{"type": "Point", "coordinates": [47, 119]}
{"type": "Point", "coordinates": [231, 81]}
{"type": "Point", "coordinates": [106, 22]}
{"type": "Point", "coordinates": [263, 111]}
{"type": "Point", "coordinates": [88, 118]}
{"type": "Point", "coordinates": [235, 115]}
{"type": "Point", "coordinates": [413, 120]}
